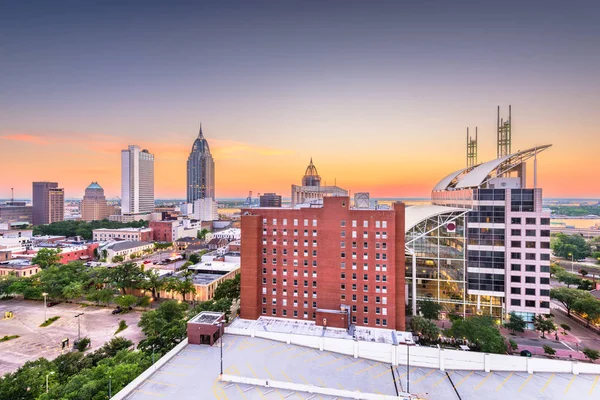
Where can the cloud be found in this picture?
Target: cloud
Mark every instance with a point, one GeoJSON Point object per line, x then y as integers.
{"type": "Point", "coordinates": [24, 137]}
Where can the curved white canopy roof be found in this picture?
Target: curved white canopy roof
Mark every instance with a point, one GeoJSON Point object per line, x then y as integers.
{"type": "Point", "coordinates": [415, 214]}
{"type": "Point", "coordinates": [478, 175]}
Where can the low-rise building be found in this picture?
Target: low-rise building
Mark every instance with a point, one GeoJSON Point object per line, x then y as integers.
{"type": "Point", "coordinates": [18, 267]}
{"type": "Point", "coordinates": [126, 248]}
{"type": "Point", "coordinates": [133, 234]}
{"type": "Point", "coordinates": [183, 243]}
{"type": "Point", "coordinates": [172, 230]}
{"type": "Point", "coordinates": [230, 234]}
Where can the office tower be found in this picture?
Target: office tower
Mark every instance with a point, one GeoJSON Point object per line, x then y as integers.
{"type": "Point", "coordinates": [200, 171]}
{"type": "Point", "coordinates": [270, 200]}
{"type": "Point", "coordinates": [48, 203]}
{"type": "Point", "coordinates": [311, 189]}
{"type": "Point", "coordinates": [137, 181]}
{"type": "Point", "coordinates": [93, 205]}
{"type": "Point", "coordinates": [507, 234]}
{"type": "Point", "coordinates": [15, 213]}
{"type": "Point", "coordinates": [329, 263]}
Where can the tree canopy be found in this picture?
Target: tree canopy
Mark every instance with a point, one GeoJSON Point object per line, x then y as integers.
{"type": "Point", "coordinates": [164, 327]}
{"type": "Point", "coordinates": [567, 296]}
{"type": "Point", "coordinates": [566, 245]}
{"type": "Point", "coordinates": [515, 323]}
{"type": "Point", "coordinates": [480, 330]}
{"type": "Point", "coordinates": [46, 257]}
{"type": "Point", "coordinates": [82, 228]}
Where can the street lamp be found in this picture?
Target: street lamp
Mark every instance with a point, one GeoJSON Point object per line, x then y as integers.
{"type": "Point", "coordinates": [45, 296]}
{"type": "Point", "coordinates": [47, 375]}
{"type": "Point", "coordinates": [78, 326]}
{"type": "Point", "coordinates": [109, 386]}
{"type": "Point", "coordinates": [571, 254]}
{"type": "Point", "coordinates": [221, 334]}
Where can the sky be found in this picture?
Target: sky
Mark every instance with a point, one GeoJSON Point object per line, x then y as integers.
{"type": "Point", "coordinates": [378, 93]}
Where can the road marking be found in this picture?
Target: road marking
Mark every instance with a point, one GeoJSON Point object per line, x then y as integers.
{"type": "Point", "coordinates": [349, 365]}
{"type": "Point", "coordinates": [286, 376]}
{"type": "Point", "coordinates": [160, 383]}
{"type": "Point", "coordinates": [316, 358]}
{"type": "Point", "coordinates": [251, 370]}
{"type": "Point", "coordinates": [594, 385]}
{"type": "Point", "coordinates": [321, 382]}
{"type": "Point", "coordinates": [331, 362]}
{"type": "Point", "coordinates": [365, 370]}
{"type": "Point", "coordinates": [504, 381]}
{"type": "Point", "coordinates": [181, 365]}
{"type": "Point", "coordinates": [235, 338]}
{"type": "Point", "coordinates": [241, 391]}
{"type": "Point", "coordinates": [570, 382]}
{"type": "Point", "coordinates": [340, 386]}
{"type": "Point", "coordinates": [525, 383]}
{"type": "Point", "coordinates": [150, 393]}
{"type": "Point", "coordinates": [283, 351]}
{"type": "Point", "coordinates": [444, 377]}
{"type": "Point", "coordinates": [297, 355]}
{"type": "Point", "coordinates": [172, 373]}
{"type": "Point", "coordinates": [570, 348]}
{"type": "Point", "coordinates": [262, 349]}
{"type": "Point", "coordinates": [269, 373]}
{"type": "Point", "coordinates": [424, 376]}
{"type": "Point", "coordinates": [484, 379]}
{"type": "Point", "coordinates": [547, 383]}
{"type": "Point", "coordinates": [463, 379]}
{"type": "Point", "coordinates": [404, 374]}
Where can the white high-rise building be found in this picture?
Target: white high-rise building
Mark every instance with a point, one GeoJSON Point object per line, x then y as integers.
{"type": "Point", "coordinates": [137, 181]}
{"type": "Point", "coordinates": [206, 210]}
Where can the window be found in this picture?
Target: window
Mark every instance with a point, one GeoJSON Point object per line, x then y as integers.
{"type": "Point", "coordinates": [530, 279]}
{"type": "Point", "coordinates": [544, 221]}
{"type": "Point", "coordinates": [530, 245]}
{"type": "Point", "coordinates": [366, 299]}
{"type": "Point", "coordinates": [529, 303]}
{"type": "Point", "coordinates": [354, 308]}
{"type": "Point", "coordinates": [545, 281]}
{"type": "Point", "coordinates": [515, 279]}
{"type": "Point", "coordinates": [343, 286]}
{"type": "Point", "coordinates": [530, 268]}
{"type": "Point", "coordinates": [365, 309]}
{"type": "Point", "coordinates": [365, 224]}
{"type": "Point", "coordinates": [366, 288]}
{"type": "Point", "coordinates": [515, 232]}
{"type": "Point", "coordinates": [353, 297]}
{"type": "Point", "coordinates": [530, 221]}
{"type": "Point", "coordinates": [365, 320]}
{"type": "Point", "coordinates": [530, 232]}
{"type": "Point", "coordinates": [545, 233]}
{"type": "Point", "coordinates": [544, 304]}
{"type": "Point", "coordinates": [544, 245]}
{"type": "Point", "coordinates": [515, 290]}
{"type": "Point", "coordinates": [530, 256]}
{"type": "Point", "coordinates": [515, 302]}
{"type": "Point", "coordinates": [365, 277]}
{"type": "Point", "coordinates": [516, 221]}
{"type": "Point", "coordinates": [343, 275]}
{"type": "Point", "coordinates": [515, 243]}
{"type": "Point", "coordinates": [343, 223]}
{"type": "Point", "coordinates": [343, 255]}
{"type": "Point", "coordinates": [530, 292]}
{"type": "Point", "coordinates": [515, 267]}
{"type": "Point", "coordinates": [544, 292]}
{"type": "Point", "coordinates": [515, 256]}
{"type": "Point", "coordinates": [354, 224]}
{"type": "Point", "coordinates": [545, 257]}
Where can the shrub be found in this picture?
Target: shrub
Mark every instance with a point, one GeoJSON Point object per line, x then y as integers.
{"type": "Point", "coordinates": [122, 326]}
{"type": "Point", "coordinates": [513, 344]}
{"type": "Point", "coordinates": [591, 353]}
{"type": "Point", "coordinates": [49, 321]}
{"type": "Point", "coordinates": [549, 350]}
{"type": "Point", "coordinates": [83, 344]}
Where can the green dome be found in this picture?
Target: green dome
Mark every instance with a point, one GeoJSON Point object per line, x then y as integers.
{"type": "Point", "coordinates": [94, 185]}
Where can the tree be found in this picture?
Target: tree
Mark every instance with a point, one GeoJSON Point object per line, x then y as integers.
{"type": "Point", "coordinates": [566, 328]}
{"type": "Point", "coordinates": [592, 354]}
{"type": "Point", "coordinates": [46, 257]}
{"type": "Point", "coordinates": [133, 256]}
{"type": "Point", "coordinates": [194, 258]}
{"type": "Point", "coordinates": [126, 301]}
{"type": "Point", "coordinates": [549, 350]}
{"type": "Point", "coordinates": [83, 344]}
{"type": "Point", "coordinates": [228, 289]}
{"type": "Point", "coordinates": [143, 301]}
{"type": "Point", "coordinates": [164, 327]}
{"type": "Point", "coordinates": [567, 297]}
{"type": "Point", "coordinates": [186, 285]}
{"type": "Point", "coordinates": [202, 233]}
{"type": "Point", "coordinates": [480, 330]}
{"type": "Point", "coordinates": [424, 327]}
{"type": "Point", "coordinates": [104, 254]}
{"type": "Point", "coordinates": [117, 259]}
{"type": "Point", "coordinates": [73, 290]}
{"type": "Point", "coordinates": [583, 272]}
{"type": "Point", "coordinates": [543, 324]}
{"type": "Point", "coordinates": [556, 269]}
{"type": "Point", "coordinates": [589, 308]}
{"type": "Point", "coordinates": [515, 323]}
{"type": "Point", "coordinates": [568, 279]}
{"type": "Point", "coordinates": [126, 276]}
{"type": "Point", "coordinates": [566, 245]}
{"type": "Point", "coordinates": [586, 285]}
{"type": "Point", "coordinates": [513, 344]}
{"type": "Point", "coordinates": [153, 282]}
{"type": "Point", "coordinates": [430, 309]}
{"type": "Point", "coordinates": [82, 228]}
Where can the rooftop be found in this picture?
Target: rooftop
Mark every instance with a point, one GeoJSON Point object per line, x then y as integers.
{"type": "Point", "coordinates": [216, 266]}
{"type": "Point", "coordinates": [125, 245]}
{"type": "Point", "coordinates": [94, 185]}
{"type": "Point", "coordinates": [123, 230]}
{"type": "Point", "coordinates": [205, 279]}
{"type": "Point", "coordinates": [207, 317]}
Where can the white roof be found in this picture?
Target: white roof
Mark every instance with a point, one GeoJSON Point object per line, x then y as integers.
{"type": "Point", "coordinates": [480, 172]}
{"type": "Point", "coordinates": [416, 214]}
{"type": "Point", "coordinates": [446, 180]}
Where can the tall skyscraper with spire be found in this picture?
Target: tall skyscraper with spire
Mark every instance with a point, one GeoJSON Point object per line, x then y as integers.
{"type": "Point", "coordinates": [200, 171]}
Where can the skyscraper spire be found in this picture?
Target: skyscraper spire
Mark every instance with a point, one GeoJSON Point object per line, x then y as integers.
{"type": "Point", "coordinates": [200, 135]}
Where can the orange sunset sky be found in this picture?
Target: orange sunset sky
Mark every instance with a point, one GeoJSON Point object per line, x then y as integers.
{"type": "Point", "coordinates": [379, 96]}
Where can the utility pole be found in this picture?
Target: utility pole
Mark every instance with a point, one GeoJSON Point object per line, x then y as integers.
{"type": "Point", "coordinates": [79, 326]}
{"type": "Point", "coordinates": [221, 329]}
{"type": "Point", "coordinates": [45, 296]}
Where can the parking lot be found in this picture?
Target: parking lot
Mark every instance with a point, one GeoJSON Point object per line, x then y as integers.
{"type": "Point", "coordinates": [97, 323]}
{"type": "Point", "coordinates": [195, 370]}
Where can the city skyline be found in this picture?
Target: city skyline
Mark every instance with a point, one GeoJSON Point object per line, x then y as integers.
{"type": "Point", "coordinates": [380, 96]}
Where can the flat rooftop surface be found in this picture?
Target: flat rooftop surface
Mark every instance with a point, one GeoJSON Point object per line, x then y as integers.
{"type": "Point", "coordinates": [193, 374]}
{"type": "Point", "coordinates": [302, 327]}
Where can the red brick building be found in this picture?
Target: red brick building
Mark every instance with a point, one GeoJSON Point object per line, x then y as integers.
{"type": "Point", "coordinates": [77, 253]}
{"type": "Point", "coordinates": [162, 231]}
{"type": "Point", "coordinates": [331, 263]}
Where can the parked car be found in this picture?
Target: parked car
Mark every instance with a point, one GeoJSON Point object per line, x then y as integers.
{"type": "Point", "coordinates": [52, 303]}
{"type": "Point", "coordinates": [525, 353]}
{"type": "Point", "coordinates": [117, 310]}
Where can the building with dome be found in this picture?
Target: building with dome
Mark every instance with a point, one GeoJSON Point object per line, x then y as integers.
{"type": "Point", "coordinates": [94, 206]}
{"type": "Point", "coordinates": [311, 190]}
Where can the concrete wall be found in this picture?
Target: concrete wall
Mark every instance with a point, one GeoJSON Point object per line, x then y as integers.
{"type": "Point", "coordinates": [428, 357]}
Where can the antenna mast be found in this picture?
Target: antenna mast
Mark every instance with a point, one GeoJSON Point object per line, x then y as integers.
{"type": "Point", "coordinates": [471, 149]}
{"type": "Point", "coordinates": [504, 134]}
